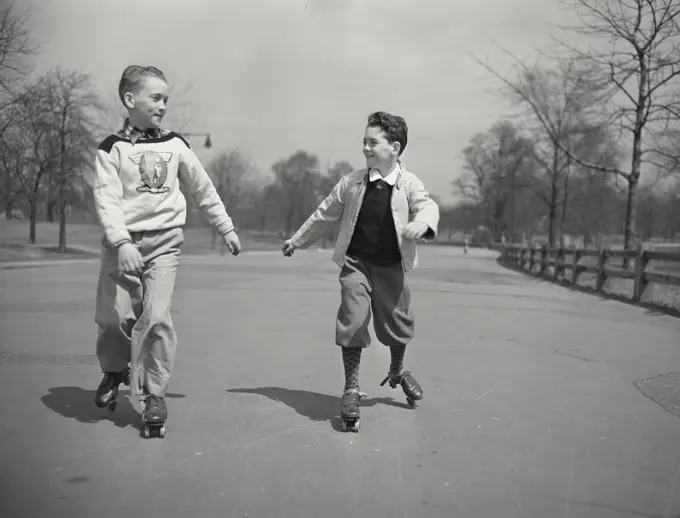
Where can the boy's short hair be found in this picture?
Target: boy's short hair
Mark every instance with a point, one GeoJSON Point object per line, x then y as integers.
{"type": "Point", "coordinates": [393, 126]}
{"type": "Point", "coordinates": [132, 76]}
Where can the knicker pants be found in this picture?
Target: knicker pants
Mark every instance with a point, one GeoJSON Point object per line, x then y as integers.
{"type": "Point", "coordinates": [382, 291]}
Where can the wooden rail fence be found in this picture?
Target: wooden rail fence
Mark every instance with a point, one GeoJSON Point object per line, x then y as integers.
{"type": "Point", "coordinates": [562, 260]}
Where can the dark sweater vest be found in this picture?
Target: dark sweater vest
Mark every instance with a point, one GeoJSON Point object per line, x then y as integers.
{"type": "Point", "coordinates": [375, 238]}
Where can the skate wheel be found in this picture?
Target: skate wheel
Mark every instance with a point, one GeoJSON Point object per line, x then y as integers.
{"type": "Point", "coordinates": [112, 406]}
{"type": "Point", "coordinates": [411, 402]}
{"type": "Point", "coordinates": [349, 425]}
{"type": "Point", "coordinates": [154, 430]}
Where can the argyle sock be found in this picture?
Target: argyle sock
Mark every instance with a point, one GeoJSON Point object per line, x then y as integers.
{"type": "Point", "coordinates": [397, 363]}
{"type": "Point", "coordinates": [351, 358]}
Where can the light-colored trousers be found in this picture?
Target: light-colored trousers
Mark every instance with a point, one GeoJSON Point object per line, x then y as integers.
{"type": "Point", "coordinates": [133, 312]}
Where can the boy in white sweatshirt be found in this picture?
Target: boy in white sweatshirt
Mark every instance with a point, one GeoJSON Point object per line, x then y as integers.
{"type": "Point", "coordinates": [141, 210]}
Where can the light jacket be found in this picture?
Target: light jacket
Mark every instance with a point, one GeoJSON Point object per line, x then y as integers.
{"type": "Point", "coordinates": [410, 202]}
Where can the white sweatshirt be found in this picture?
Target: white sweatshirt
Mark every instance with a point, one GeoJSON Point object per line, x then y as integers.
{"type": "Point", "coordinates": [136, 186]}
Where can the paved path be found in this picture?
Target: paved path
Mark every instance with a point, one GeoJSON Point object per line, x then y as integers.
{"type": "Point", "coordinates": [539, 401]}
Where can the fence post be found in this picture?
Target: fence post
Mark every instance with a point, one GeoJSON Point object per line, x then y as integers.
{"type": "Point", "coordinates": [532, 251]}
{"type": "Point", "coordinates": [640, 266]}
{"type": "Point", "coordinates": [574, 263]}
{"type": "Point", "coordinates": [541, 270]}
{"type": "Point", "coordinates": [520, 253]}
{"type": "Point", "coordinates": [601, 275]}
{"type": "Point", "coordinates": [559, 255]}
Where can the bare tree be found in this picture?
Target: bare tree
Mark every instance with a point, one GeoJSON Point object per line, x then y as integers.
{"type": "Point", "coordinates": [557, 99]}
{"type": "Point", "coordinates": [492, 174]}
{"type": "Point", "coordinates": [591, 192]}
{"type": "Point", "coordinates": [41, 154]}
{"type": "Point", "coordinates": [53, 142]}
{"type": "Point", "coordinates": [73, 105]}
{"type": "Point", "coordinates": [15, 46]}
{"type": "Point", "coordinates": [636, 47]}
{"type": "Point", "coordinates": [299, 180]}
{"type": "Point", "coordinates": [13, 164]}
{"type": "Point", "coordinates": [231, 172]}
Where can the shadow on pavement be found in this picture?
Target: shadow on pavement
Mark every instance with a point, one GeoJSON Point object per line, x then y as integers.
{"type": "Point", "coordinates": [77, 403]}
{"type": "Point", "coordinates": [314, 406]}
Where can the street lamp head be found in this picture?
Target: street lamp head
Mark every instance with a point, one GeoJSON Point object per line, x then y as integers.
{"type": "Point", "coordinates": [208, 142]}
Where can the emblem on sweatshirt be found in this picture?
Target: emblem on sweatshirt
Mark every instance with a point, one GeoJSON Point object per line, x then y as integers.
{"type": "Point", "coordinates": [153, 170]}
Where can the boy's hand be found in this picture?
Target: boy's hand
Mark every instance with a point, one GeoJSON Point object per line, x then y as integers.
{"type": "Point", "coordinates": [415, 230]}
{"type": "Point", "coordinates": [288, 248]}
{"type": "Point", "coordinates": [232, 242]}
{"type": "Point", "coordinates": [129, 259]}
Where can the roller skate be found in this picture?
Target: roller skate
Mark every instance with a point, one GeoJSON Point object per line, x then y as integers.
{"type": "Point", "coordinates": [349, 410]}
{"type": "Point", "coordinates": [154, 416]}
{"type": "Point", "coordinates": [408, 384]}
{"type": "Point", "coordinates": [107, 392]}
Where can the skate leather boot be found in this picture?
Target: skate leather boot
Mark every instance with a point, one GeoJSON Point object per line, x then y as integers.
{"type": "Point", "coordinates": [107, 392]}
{"type": "Point", "coordinates": [155, 411]}
{"type": "Point", "coordinates": [408, 384]}
{"type": "Point", "coordinates": [349, 409]}
{"type": "Point", "coordinates": [154, 415]}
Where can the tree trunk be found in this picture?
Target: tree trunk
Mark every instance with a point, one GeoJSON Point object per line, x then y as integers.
{"type": "Point", "coordinates": [629, 233]}
{"type": "Point", "coordinates": [552, 216]}
{"type": "Point", "coordinates": [33, 213]}
{"type": "Point", "coordinates": [636, 162]}
{"type": "Point", "coordinates": [552, 213]}
{"type": "Point", "coordinates": [565, 203]}
{"type": "Point", "coordinates": [34, 207]}
{"type": "Point", "coordinates": [62, 217]}
{"type": "Point", "coordinates": [513, 216]}
{"type": "Point", "coordinates": [62, 183]}
{"type": "Point", "coordinates": [8, 195]}
{"type": "Point", "coordinates": [49, 209]}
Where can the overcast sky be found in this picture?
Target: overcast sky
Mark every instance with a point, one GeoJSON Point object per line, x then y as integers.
{"type": "Point", "coordinates": [274, 76]}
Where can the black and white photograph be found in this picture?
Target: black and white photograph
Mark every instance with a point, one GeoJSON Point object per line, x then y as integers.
{"type": "Point", "coordinates": [340, 258]}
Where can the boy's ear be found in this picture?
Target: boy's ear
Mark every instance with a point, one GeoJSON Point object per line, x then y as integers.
{"type": "Point", "coordinates": [129, 99]}
{"type": "Point", "coordinates": [396, 147]}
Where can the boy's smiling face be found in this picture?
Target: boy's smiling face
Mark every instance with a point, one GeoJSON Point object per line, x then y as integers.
{"type": "Point", "coordinates": [146, 106]}
{"type": "Point", "coordinates": [377, 150]}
